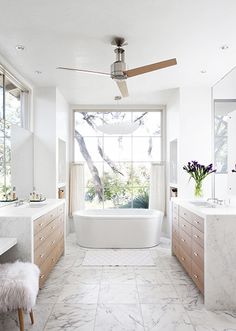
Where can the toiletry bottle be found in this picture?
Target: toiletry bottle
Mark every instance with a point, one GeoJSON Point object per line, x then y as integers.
{"type": "Point", "coordinates": [33, 195]}
{"type": "Point", "coordinates": [14, 193]}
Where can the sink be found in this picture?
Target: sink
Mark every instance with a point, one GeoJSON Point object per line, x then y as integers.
{"type": "Point", "coordinates": [204, 204]}
{"type": "Point", "coordinates": [38, 205]}
{"type": "Point", "coordinates": [33, 205]}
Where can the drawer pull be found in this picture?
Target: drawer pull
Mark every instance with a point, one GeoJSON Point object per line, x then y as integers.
{"type": "Point", "coordinates": [197, 222]}
{"type": "Point", "coordinates": [182, 258]}
{"type": "Point", "coordinates": [53, 227]}
{"type": "Point", "coordinates": [42, 276]}
{"type": "Point", "coordinates": [182, 239]}
{"type": "Point", "coordinates": [53, 242]}
{"type": "Point", "coordinates": [42, 255]}
{"type": "Point", "coordinates": [195, 276]}
{"type": "Point", "coordinates": [194, 253]}
{"type": "Point", "coordinates": [42, 238]}
{"type": "Point", "coordinates": [183, 225]}
{"type": "Point", "coordinates": [41, 224]}
{"type": "Point", "coordinates": [195, 236]}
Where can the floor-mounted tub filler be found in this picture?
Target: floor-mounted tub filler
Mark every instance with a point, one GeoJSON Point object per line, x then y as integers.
{"type": "Point", "coordinates": [118, 228]}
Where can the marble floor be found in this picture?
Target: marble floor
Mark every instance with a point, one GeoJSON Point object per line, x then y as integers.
{"type": "Point", "coordinates": [82, 298]}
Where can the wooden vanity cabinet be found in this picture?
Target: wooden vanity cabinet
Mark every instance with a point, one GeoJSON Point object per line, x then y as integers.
{"type": "Point", "coordinates": [188, 243]}
{"type": "Point", "coordinates": [48, 241]}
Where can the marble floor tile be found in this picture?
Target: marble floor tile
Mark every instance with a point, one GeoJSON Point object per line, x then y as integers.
{"type": "Point", "coordinates": [118, 318]}
{"type": "Point", "coordinates": [118, 275]}
{"type": "Point", "coordinates": [204, 320]}
{"type": "Point", "coordinates": [9, 321]}
{"type": "Point", "coordinates": [151, 276]}
{"type": "Point", "coordinates": [158, 293]}
{"type": "Point", "coordinates": [72, 318]}
{"type": "Point", "coordinates": [118, 293]}
{"type": "Point", "coordinates": [167, 317]}
{"type": "Point", "coordinates": [73, 294]}
{"type": "Point", "coordinates": [190, 295]}
{"type": "Point", "coordinates": [87, 275]}
{"type": "Point", "coordinates": [49, 294]}
{"type": "Point", "coordinates": [179, 277]}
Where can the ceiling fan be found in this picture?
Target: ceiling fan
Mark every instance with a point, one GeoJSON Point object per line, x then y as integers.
{"type": "Point", "coordinates": [118, 68]}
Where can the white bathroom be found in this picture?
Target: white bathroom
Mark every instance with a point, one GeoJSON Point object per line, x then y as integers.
{"type": "Point", "coordinates": [117, 185]}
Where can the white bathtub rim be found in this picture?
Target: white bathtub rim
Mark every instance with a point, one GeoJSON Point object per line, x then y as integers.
{"type": "Point", "coordinates": [85, 214]}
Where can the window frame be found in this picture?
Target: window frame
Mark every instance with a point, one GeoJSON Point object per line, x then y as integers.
{"type": "Point", "coordinates": [25, 98]}
{"type": "Point", "coordinates": [155, 109]}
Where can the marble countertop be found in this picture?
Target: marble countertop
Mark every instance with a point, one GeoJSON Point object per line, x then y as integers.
{"type": "Point", "coordinates": [206, 211]}
{"type": "Point", "coordinates": [32, 210]}
{"type": "Point", "coordinates": [6, 244]}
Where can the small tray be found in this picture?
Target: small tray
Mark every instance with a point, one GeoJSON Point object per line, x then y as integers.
{"type": "Point", "coordinates": [38, 200]}
{"type": "Point", "coordinates": [9, 200]}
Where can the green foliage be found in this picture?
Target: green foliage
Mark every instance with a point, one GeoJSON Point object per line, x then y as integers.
{"type": "Point", "coordinates": [141, 201]}
{"type": "Point", "coordinates": [119, 189]}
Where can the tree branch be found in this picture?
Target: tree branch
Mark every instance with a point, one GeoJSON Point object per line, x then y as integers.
{"type": "Point", "coordinates": [93, 170]}
{"type": "Point", "coordinates": [108, 160]}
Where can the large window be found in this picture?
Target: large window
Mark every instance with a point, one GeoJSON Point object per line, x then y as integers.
{"type": "Point", "coordinates": [13, 103]}
{"type": "Point", "coordinates": [117, 166]}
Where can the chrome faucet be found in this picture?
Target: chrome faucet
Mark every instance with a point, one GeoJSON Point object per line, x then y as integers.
{"type": "Point", "coordinates": [19, 203]}
{"type": "Point", "coordinates": [216, 200]}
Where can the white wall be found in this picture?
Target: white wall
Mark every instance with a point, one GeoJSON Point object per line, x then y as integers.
{"type": "Point", "coordinates": [195, 136]}
{"type": "Point", "coordinates": [21, 161]}
{"type": "Point", "coordinates": [51, 121]}
{"type": "Point", "coordinates": [172, 132]}
{"type": "Point", "coordinates": [63, 118]}
{"type": "Point", "coordinates": [45, 141]}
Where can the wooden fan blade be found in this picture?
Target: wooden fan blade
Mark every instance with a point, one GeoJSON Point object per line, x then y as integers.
{"type": "Point", "coordinates": [123, 88]}
{"type": "Point", "coordinates": [85, 71]}
{"type": "Point", "coordinates": [150, 67]}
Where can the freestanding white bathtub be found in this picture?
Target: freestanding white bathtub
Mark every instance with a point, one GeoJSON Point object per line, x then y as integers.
{"type": "Point", "coordinates": [118, 228]}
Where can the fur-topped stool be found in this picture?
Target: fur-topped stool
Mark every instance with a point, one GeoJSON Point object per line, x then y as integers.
{"type": "Point", "coordinates": [19, 285]}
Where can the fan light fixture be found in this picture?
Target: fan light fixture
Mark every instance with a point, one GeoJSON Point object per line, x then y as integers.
{"type": "Point", "coordinates": [118, 128]}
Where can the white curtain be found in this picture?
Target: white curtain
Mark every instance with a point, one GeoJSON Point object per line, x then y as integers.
{"type": "Point", "coordinates": [157, 187]}
{"type": "Point", "coordinates": [76, 187]}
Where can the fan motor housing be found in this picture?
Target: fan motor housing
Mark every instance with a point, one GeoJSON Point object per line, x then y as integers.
{"type": "Point", "coordinates": [117, 70]}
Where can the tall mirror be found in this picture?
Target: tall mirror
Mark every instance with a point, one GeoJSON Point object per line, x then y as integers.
{"type": "Point", "coordinates": [16, 143]}
{"type": "Point", "coordinates": [224, 101]}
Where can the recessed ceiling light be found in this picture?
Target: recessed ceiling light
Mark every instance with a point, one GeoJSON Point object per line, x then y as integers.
{"type": "Point", "coordinates": [20, 47]}
{"type": "Point", "coordinates": [224, 47]}
{"type": "Point", "coordinates": [203, 71]}
{"type": "Point", "coordinates": [38, 72]}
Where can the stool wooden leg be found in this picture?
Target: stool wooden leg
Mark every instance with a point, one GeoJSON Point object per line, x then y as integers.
{"type": "Point", "coordinates": [32, 316]}
{"type": "Point", "coordinates": [21, 318]}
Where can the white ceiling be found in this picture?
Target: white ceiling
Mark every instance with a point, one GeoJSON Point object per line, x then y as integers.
{"type": "Point", "coordinates": [77, 33]}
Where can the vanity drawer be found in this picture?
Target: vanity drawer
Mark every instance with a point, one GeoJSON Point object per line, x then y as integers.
{"type": "Point", "coordinates": [185, 260]}
{"type": "Point", "coordinates": [175, 231]}
{"type": "Point", "coordinates": [198, 222]}
{"type": "Point", "coordinates": [185, 241]}
{"type": "Point", "coordinates": [192, 218]}
{"type": "Point", "coordinates": [41, 237]}
{"type": "Point", "coordinates": [198, 277]}
{"type": "Point", "coordinates": [198, 236]}
{"type": "Point", "coordinates": [60, 210]}
{"type": "Point", "coordinates": [175, 247]}
{"type": "Point", "coordinates": [52, 214]}
{"type": "Point", "coordinates": [175, 209]}
{"type": "Point", "coordinates": [198, 255]}
{"type": "Point", "coordinates": [43, 251]}
{"type": "Point", "coordinates": [175, 220]}
{"type": "Point", "coordinates": [185, 226]}
{"type": "Point", "coordinates": [40, 223]}
{"type": "Point", "coordinates": [184, 213]}
{"type": "Point", "coordinates": [50, 262]}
